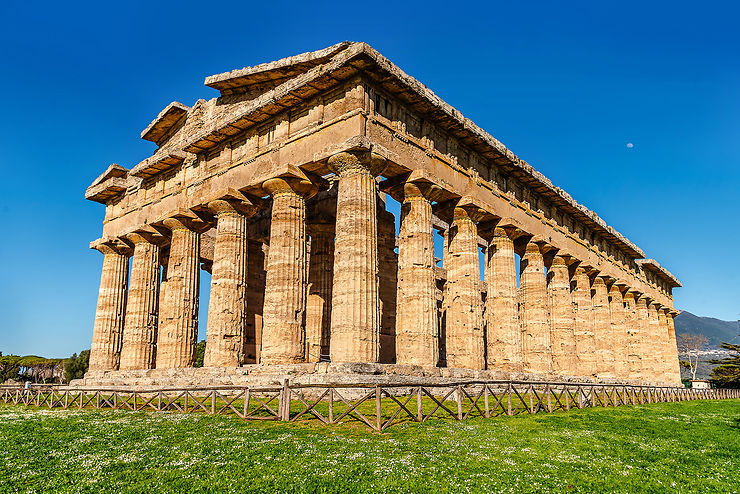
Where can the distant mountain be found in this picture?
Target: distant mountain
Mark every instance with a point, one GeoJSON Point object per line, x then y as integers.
{"type": "Point", "coordinates": [715, 330]}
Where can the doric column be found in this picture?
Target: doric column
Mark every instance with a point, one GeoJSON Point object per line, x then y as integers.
{"type": "Point", "coordinates": [105, 352]}
{"type": "Point", "coordinates": [227, 308]}
{"type": "Point", "coordinates": [663, 346]}
{"type": "Point", "coordinates": [464, 312]}
{"type": "Point", "coordinates": [561, 319]}
{"type": "Point", "coordinates": [387, 282]}
{"type": "Point", "coordinates": [140, 330]}
{"type": "Point", "coordinates": [318, 305]}
{"type": "Point", "coordinates": [654, 343]}
{"type": "Point", "coordinates": [283, 335]}
{"type": "Point", "coordinates": [674, 369]}
{"type": "Point", "coordinates": [634, 335]}
{"type": "Point", "coordinates": [603, 336]}
{"type": "Point", "coordinates": [618, 331]}
{"type": "Point", "coordinates": [533, 311]}
{"type": "Point", "coordinates": [584, 323]}
{"type": "Point", "coordinates": [504, 337]}
{"type": "Point", "coordinates": [178, 325]}
{"type": "Point", "coordinates": [416, 300]}
{"type": "Point", "coordinates": [643, 322]}
{"type": "Point", "coordinates": [355, 321]}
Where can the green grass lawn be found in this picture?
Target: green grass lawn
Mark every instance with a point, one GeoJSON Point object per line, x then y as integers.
{"type": "Point", "coordinates": [668, 447]}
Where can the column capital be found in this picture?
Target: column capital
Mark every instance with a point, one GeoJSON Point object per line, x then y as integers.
{"type": "Point", "coordinates": [145, 234]}
{"type": "Point", "coordinates": [298, 186]}
{"type": "Point", "coordinates": [230, 207]}
{"type": "Point", "coordinates": [111, 245]}
{"type": "Point", "coordinates": [178, 222]}
{"type": "Point", "coordinates": [361, 160]}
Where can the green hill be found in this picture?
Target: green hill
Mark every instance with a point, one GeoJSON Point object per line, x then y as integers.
{"type": "Point", "coordinates": [715, 330]}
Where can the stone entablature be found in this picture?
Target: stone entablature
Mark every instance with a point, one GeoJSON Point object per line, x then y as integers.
{"type": "Point", "coordinates": [292, 121]}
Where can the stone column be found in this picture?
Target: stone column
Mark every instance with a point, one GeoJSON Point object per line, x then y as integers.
{"type": "Point", "coordinates": [674, 369]}
{"type": "Point", "coordinates": [643, 322]}
{"type": "Point", "coordinates": [604, 339]}
{"type": "Point", "coordinates": [561, 319]}
{"type": "Point", "coordinates": [504, 337]}
{"type": "Point", "coordinates": [533, 311]}
{"type": "Point", "coordinates": [318, 305]}
{"type": "Point", "coordinates": [140, 330]}
{"type": "Point", "coordinates": [584, 324]}
{"type": "Point", "coordinates": [464, 312]}
{"type": "Point", "coordinates": [355, 321]}
{"type": "Point", "coordinates": [105, 352]}
{"type": "Point", "coordinates": [634, 335]}
{"type": "Point", "coordinates": [178, 327]}
{"type": "Point", "coordinates": [227, 308]}
{"type": "Point", "coordinates": [416, 300]}
{"type": "Point", "coordinates": [663, 346]}
{"type": "Point", "coordinates": [283, 333]}
{"type": "Point", "coordinates": [654, 343]}
{"type": "Point", "coordinates": [618, 331]}
{"type": "Point", "coordinates": [387, 282]}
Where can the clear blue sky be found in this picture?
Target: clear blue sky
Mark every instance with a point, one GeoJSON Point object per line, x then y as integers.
{"type": "Point", "coordinates": [565, 85]}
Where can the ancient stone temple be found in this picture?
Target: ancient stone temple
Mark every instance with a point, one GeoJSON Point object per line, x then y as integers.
{"type": "Point", "coordinates": [280, 187]}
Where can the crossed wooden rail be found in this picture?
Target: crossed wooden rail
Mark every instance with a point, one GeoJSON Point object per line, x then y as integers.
{"type": "Point", "coordinates": [375, 406]}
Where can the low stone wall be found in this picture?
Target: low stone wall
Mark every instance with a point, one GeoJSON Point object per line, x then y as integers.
{"type": "Point", "coordinates": [321, 373]}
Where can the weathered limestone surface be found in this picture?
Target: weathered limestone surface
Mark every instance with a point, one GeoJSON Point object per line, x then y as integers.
{"type": "Point", "coordinates": [387, 283]}
{"type": "Point", "coordinates": [256, 259]}
{"type": "Point", "coordinates": [620, 341]}
{"type": "Point", "coordinates": [634, 335]}
{"type": "Point", "coordinates": [283, 336]}
{"type": "Point", "coordinates": [645, 347]}
{"type": "Point", "coordinates": [603, 336]}
{"type": "Point", "coordinates": [655, 343]}
{"type": "Point", "coordinates": [416, 316]}
{"type": "Point", "coordinates": [355, 323]}
{"type": "Point", "coordinates": [561, 319]}
{"type": "Point", "coordinates": [140, 329]}
{"type": "Point", "coordinates": [584, 324]}
{"type": "Point", "coordinates": [536, 346]}
{"type": "Point", "coordinates": [318, 305]}
{"type": "Point", "coordinates": [227, 309]}
{"type": "Point", "coordinates": [464, 324]}
{"type": "Point", "coordinates": [349, 117]}
{"type": "Point", "coordinates": [105, 353]}
{"type": "Point", "coordinates": [674, 369]}
{"type": "Point", "coordinates": [178, 325]}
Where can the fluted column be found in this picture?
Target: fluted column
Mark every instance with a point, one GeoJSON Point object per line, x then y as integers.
{"type": "Point", "coordinates": [178, 326]}
{"type": "Point", "coordinates": [674, 369]}
{"type": "Point", "coordinates": [533, 311]}
{"type": "Point", "coordinates": [619, 331]}
{"type": "Point", "coordinates": [663, 346]}
{"type": "Point", "coordinates": [105, 352]}
{"type": "Point", "coordinates": [416, 309]}
{"type": "Point", "coordinates": [584, 324]}
{"type": "Point", "coordinates": [355, 321]}
{"type": "Point", "coordinates": [387, 283]}
{"type": "Point", "coordinates": [227, 308]}
{"type": "Point", "coordinates": [634, 335]}
{"type": "Point", "coordinates": [318, 305]}
{"type": "Point", "coordinates": [504, 337]}
{"type": "Point", "coordinates": [283, 333]}
{"type": "Point", "coordinates": [561, 319]}
{"type": "Point", "coordinates": [603, 336]}
{"type": "Point", "coordinates": [140, 329]}
{"type": "Point", "coordinates": [464, 312]}
{"type": "Point", "coordinates": [654, 343]}
{"type": "Point", "coordinates": [643, 322]}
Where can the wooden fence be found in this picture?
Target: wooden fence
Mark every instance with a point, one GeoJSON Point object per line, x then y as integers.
{"type": "Point", "coordinates": [375, 406]}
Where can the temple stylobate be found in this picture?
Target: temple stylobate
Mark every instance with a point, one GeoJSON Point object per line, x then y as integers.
{"type": "Point", "coordinates": [280, 186]}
